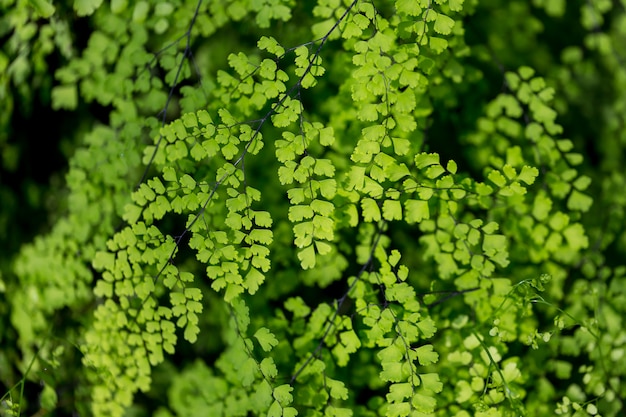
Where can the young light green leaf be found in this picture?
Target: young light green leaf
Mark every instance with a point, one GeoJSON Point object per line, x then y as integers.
{"type": "Point", "coordinates": [443, 24]}
{"type": "Point", "coordinates": [423, 160]}
{"type": "Point", "coordinates": [455, 5]}
{"type": "Point", "coordinates": [426, 355]}
{"type": "Point", "coordinates": [371, 211]}
{"type": "Point", "coordinates": [392, 371]}
{"type": "Point", "coordinates": [191, 332]}
{"type": "Point", "coordinates": [528, 174]}
{"type": "Point", "coordinates": [399, 392]}
{"type": "Point", "coordinates": [270, 45]}
{"type": "Point", "coordinates": [169, 174]}
{"type": "Point", "coordinates": [409, 7]}
{"type": "Point", "coordinates": [337, 389]}
{"type": "Point", "coordinates": [292, 412]}
{"type": "Point", "coordinates": [392, 210]}
{"type": "Point", "coordinates": [275, 410]}
{"type": "Point", "coordinates": [451, 167]}
{"type": "Point", "coordinates": [266, 339]}
{"type": "Point", "coordinates": [297, 306]}
{"type": "Point", "coordinates": [438, 45]}
{"type": "Point", "coordinates": [307, 257]}
{"type": "Point", "coordinates": [497, 178]}
{"type": "Point", "coordinates": [247, 372]}
{"type": "Point", "coordinates": [579, 201]}
{"type": "Point", "coordinates": [282, 394]}
{"type": "Point", "coordinates": [415, 211]}
{"type": "Point", "coordinates": [86, 7]}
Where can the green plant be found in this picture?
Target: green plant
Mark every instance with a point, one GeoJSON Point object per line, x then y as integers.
{"type": "Point", "coordinates": [342, 208]}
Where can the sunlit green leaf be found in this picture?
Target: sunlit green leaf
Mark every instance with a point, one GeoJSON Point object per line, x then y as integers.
{"type": "Point", "coordinates": [86, 7]}
{"type": "Point", "coordinates": [266, 339]}
{"type": "Point", "coordinates": [443, 24]}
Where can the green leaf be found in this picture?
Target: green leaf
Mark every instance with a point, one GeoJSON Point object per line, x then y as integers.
{"type": "Point", "coordinates": [350, 340]}
{"type": "Point", "coordinates": [392, 210]}
{"type": "Point", "coordinates": [307, 257]}
{"type": "Point", "coordinates": [402, 409]}
{"type": "Point", "coordinates": [322, 248]}
{"type": "Point", "coordinates": [169, 174]}
{"type": "Point", "coordinates": [275, 410]}
{"type": "Point", "coordinates": [262, 396]}
{"type": "Point", "coordinates": [86, 7]}
{"type": "Point", "coordinates": [262, 219]}
{"type": "Point", "coordinates": [337, 389]}
{"type": "Point", "coordinates": [299, 212]}
{"type": "Point", "coordinates": [131, 213]}
{"type": "Point", "coordinates": [356, 178]}
{"type": "Point", "coordinates": [565, 145]}
{"type": "Point", "coordinates": [409, 7]}
{"type": "Point", "coordinates": [392, 371]}
{"type": "Point", "coordinates": [189, 120]}
{"type": "Point", "coordinates": [64, 97]}
{"type": "Point", "coordinates": [368, 113]}
{"type": "Point", "coordinates": [528, 174]}
{"type": "Point", "coordinates": [191, 333]}
{"type": "Point", "coordinates": [509, 172]}
{"type": "Point", "coordinates": [303, 233]}
{"type": "Point", "coordinates": [188, 182]}
{"type": "Point", "coordinates": [263, 236]}
{"type": "Point", "coordinates": [455, 5]}
{"type": "Point", "coordinates": [396, 172]}
{"type": "Point", "coordinates": [156, 185]}
{"type": "Point", "coordinates": [254, 279]}
{"type": "Point", "coordinates": [399, 392]}
{"type": "Point", "coordinates": [268, 368]}
{"type": "Point", "coordinates": [443, 24]}
{"type": "Point", "coordinates": [328, 188]}
{"type": "Point", "coordinates": [494, 243]}
{"type": "Point", "coordinates": [497, 178]}
{"type": "Point", "coordinates": [582, 183]}
{"type": "Point", "coordinates": [45, 10]}
{"type": "Point", "coordinates": [321, 207]}
{"type": "Point", "coordinates": [579, 201]}
{"type": "Point", "coordinates": [526, 72]}
{"type": "Point", "coordinates": [247, 372]}
{"type": "Point", "coordinates": [371, 211]}
{"type": "Point", "coordinates": [451, 167]}
{"type": "Point", "coordinates": [297, 306]}
{"type": "Point", "coordinates": [163, 9]}
{"type": "Point", "coordinates": [292, 412]}
{"type": "Point", "coordinates": [147, 192]}
{"type": "Point", "coordinates": [103, 260]}
{"type": "Point", "coordinates": [424, 403]}
{"type": "Point", "coordinates": [48, 397]}
{"type": "Point", "coordinates": [438, 45]}
{"type": "Point", "coordinates": [282, 394]}
{"type": "Point", "coordinates": [268, 69]}
{"type": "Point", "coordinates": [427, 328]}
{"type": "Point", "coordinates": [327, 136]}
{"type": "Point", "coordinates": [270, 45]}
{"type": "Point", "coordinates": [423, 160]}
{"type": "Point", "coordinates": [434, 171]}
{"type": "Point", "coordinates": [178, 298]}
{"type": "Point", "coordinates": [401, 146]}
{"type": "Point", "coordinates": [541, 206]}
{"type": "Point", "coordinates": [266, 339]}
{"type": "Point", "coordinates": [426, 355]}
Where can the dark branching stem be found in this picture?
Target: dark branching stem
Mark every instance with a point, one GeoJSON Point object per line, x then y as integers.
{"type": "Point", "coordinates": [186, 54]}
{"type": "Point", "coordinates": [448, 295]}
{"type": "Point", "coordinates": [339, 304]}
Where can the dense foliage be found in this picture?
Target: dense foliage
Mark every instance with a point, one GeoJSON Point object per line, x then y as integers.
{"type": "Point", "coordinates": [314, 208]}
